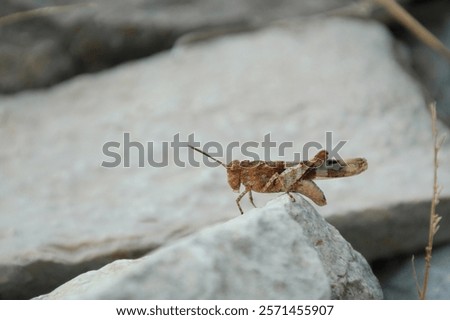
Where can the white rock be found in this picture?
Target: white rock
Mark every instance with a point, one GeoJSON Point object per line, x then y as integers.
{"type": "Point", "coordinates": [264, 254]}
{"type": "Point", "coordinates": [348, 272]}
{"type": "Point", "coordinates": [61, 211]}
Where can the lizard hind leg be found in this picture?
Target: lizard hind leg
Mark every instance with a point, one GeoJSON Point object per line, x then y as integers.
{"type": "Point", "coordinates": [279, 178]}
{"type": "Point", "coordinates": [286, 190]}
{"type": "Point", "coordinates": [309, 189]}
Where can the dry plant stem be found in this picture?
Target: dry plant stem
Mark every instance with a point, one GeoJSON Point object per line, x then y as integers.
{"type": "Point", "coordinates": [415, 27]}
{"type": "Point", "coordinates": [23, 15]}
{"type": "Point", "coordinates": [434, 217]}
{"type": "Point", "coordinates": [413, 263]}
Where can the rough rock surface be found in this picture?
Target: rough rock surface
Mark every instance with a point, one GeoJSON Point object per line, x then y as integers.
{"type": "Point", "coordinates": [285, 250]}
{"type": "Point", "coordinates": [63, 214]}
{"type": "Point", "coordinates": [47, 48]}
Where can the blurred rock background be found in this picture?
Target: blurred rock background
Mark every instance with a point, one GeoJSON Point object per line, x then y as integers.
{"type": "Point", "coordinates": [76, 75]}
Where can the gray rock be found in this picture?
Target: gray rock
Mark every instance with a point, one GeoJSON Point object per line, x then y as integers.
{"type": "Point", "coordinates": [397, 276]}
{"type": "Point", "coordinates": [382, 233]}
{"type": "Point", "coordinates": [282, 251]}
{"type": "Point", "coordinates": [349, 274]}
{"type": "Point", "coordinates": [432, 70]}
{"type": "Point", "coordinates": [31, 59]}
{"type": "Point", "coordinates": [63, 214]}
{"type": "Point", "coordinates": [43, 50]}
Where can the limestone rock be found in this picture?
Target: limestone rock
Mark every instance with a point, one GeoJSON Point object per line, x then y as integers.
{"type": "Point", "coordinates": [90, 36]}
{"type": "Point", "coordinates": [63, 214]}
{"type": "Point", "coordinates": [432, 69]}
{"type": "Point", "coordinates": [282, 251]}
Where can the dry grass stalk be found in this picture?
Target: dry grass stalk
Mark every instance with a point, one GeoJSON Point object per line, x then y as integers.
{"type": "Point", "coordinates": [415, 27]}
{"type": "Point", "coordinates": [434, 217]}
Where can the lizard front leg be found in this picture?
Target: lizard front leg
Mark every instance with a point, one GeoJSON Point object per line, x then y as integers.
{"type": "Point", "coordinates": [238, 200]}
{"type": "Point", "coordinates": [250, 196]}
